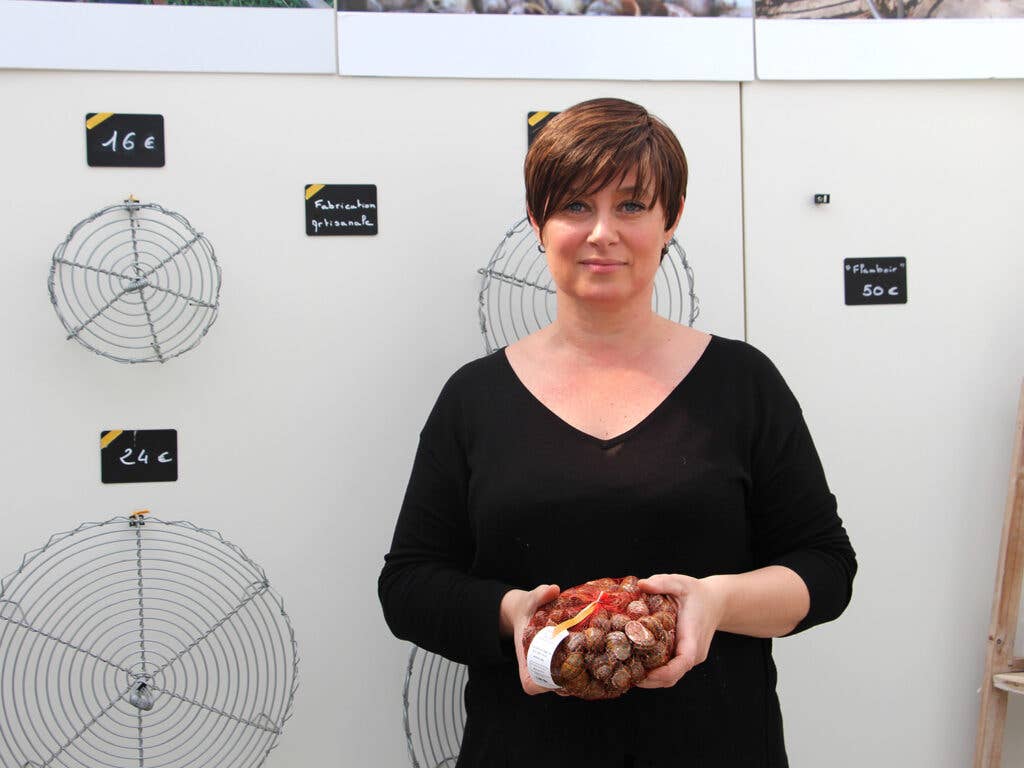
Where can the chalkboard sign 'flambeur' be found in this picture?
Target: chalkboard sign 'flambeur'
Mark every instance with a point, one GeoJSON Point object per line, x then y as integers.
{"type": "Point", "coordinates": [876, 281]}
{"type": "Point", "coordinates": [125, 141]}
{"type": "Point", "coordinates": [341, 209]}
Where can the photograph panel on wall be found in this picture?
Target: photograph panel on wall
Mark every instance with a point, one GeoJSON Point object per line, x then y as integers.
{"type": "Point", "coordinates": [889, 39]}
{"type": "Point", "coordinates": [294, 36]}
{"type": "Point", "coordinates": [890, 9]}
{"type": "Point", "coordinates": [549, 39]}
{"type": "Point", "coordinates": [676, 8]}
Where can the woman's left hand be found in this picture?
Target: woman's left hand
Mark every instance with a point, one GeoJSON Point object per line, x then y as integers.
{"type": "Point", "coordinates": [700, 608]}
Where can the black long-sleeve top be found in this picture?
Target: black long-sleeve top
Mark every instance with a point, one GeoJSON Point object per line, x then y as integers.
{"type": "Point", "coordinates": [722, 477]}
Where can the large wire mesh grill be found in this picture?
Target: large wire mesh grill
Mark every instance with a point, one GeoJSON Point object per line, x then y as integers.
{"type": "Point", "coordinates": [434, 712]}
{"type": "Point", "coordinates": [517, 293]}
{"type": "Point", "coordinates": [135, 283]}
{"type": "Point", "coordinates": [142, 644]}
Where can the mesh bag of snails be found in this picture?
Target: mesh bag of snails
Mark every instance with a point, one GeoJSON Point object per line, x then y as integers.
{"type": "Point", "coordinates": [598, 640]}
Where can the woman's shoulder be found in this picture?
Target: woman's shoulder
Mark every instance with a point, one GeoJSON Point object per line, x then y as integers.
{"type": "Point", "coordinates": [487, 366]}
{"type": "Point", "coordinates": [482, 374]}
{"type": "Point", "coordinates": [739, 354]}
{"type": "Point", "coordinates": [471, 389]}
{"type": "Point", "coordinates": [746, 371]}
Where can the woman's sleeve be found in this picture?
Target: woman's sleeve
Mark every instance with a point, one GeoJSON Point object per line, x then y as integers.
{"type": "Point", "coordinates": [793, 512]}
{"type": "Point", "coordinates": [425, 587]}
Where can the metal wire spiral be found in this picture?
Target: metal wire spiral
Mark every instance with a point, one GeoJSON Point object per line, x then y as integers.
{"type": "Point", "coordinates": [135, 283]}
{"type": "Point", "coordinates": [434, 711]}
{"type": "Point", "coordinates": [517, 295]}
{"type": "Point", "coordinates": [148, 644]}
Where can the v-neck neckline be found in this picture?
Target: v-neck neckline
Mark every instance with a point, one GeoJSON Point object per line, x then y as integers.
{"type": "Point", "coordinates": [621, 437]}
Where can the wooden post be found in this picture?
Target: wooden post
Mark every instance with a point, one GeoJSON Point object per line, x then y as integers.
{"type": "Point", "coordinates": [1003, 673]}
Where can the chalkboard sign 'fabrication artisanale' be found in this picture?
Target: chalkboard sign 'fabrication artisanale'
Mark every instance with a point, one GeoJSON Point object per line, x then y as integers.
{"type": "Point", "coordinates": [135, 141]}
{"type": "Point", "coordinates": [139, 455]}
{"type": "Point", "coordinates": [341, 209]}
{"type": "Point", "coordinates": [876, 281]}
{"type": "Point", "coordinates": [534, 122]}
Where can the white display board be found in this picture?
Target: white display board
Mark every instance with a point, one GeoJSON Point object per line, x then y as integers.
{"type": "Point", "coordinates": [36, 34]}
{"type": "Point", "coordinates": [889, 49]}
{"type": "Point", "coordinates": [545, 47]}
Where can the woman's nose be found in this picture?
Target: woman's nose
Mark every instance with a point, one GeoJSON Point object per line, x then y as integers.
{"type": "Point", "coordinates": [602, 232]}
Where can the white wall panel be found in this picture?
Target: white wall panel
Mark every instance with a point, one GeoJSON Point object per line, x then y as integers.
{"type": "Point", "coordinates": [298, 414]}
{"type": "Point", "coordinates": [912, 406]}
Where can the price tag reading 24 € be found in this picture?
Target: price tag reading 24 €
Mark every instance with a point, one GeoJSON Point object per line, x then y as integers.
{"type": "Point", "coordinates": [139, 455]}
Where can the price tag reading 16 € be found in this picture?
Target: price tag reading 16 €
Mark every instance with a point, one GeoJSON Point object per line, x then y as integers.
{"type": "Point", "coordinates": [121, 140]}
{"type": "Point", "coordinates": [139, 455]}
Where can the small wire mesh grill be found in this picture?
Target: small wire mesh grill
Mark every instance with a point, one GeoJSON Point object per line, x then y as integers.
{"type": "Point", "coordinates": [138, 643]}
{"type": "Point", "coordinates": [135, 283]}
{"type": "Point", "coordinates": [517, 293]}
{"type": "Point", "coordinates": [434, 712]}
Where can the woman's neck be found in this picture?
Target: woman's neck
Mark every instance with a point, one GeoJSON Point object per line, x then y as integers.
{"type": "Point", "coordinates": [604, 336]}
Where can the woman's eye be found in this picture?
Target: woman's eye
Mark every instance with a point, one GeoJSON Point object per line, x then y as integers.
{"type": "Point", "coordinates": [575, 207]}
{"type": "Point", "coordinates": [632, 206]}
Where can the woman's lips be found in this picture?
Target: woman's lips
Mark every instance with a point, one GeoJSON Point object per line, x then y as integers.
{"type": "Point", "coordinates": [594, 265]}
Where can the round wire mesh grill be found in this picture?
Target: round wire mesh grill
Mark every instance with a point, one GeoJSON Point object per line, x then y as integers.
{"type": "Point", "coordinates": [135, 283]}
{"type": "Point", "coordinates": [434, 711]}
{"type": "Point", "coordinates": [142, 644]}
{"type": "Point", "coordinates": [517, 293]}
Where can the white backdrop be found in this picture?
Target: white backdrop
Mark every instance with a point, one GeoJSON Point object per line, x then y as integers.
{"type": "Point", "coordinates": [299, 413]}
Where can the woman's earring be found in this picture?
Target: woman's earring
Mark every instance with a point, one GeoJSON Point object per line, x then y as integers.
{"type": "Point", "coordinates": [540, 248]}
{"type": "Point", "coordinates": [664, 250]}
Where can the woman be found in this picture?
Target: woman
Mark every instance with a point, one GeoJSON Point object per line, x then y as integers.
{"type": "Point", "coordinates": [616, 442]}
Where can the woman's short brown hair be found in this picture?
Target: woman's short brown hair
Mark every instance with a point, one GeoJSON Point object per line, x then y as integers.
{"type": "Point", "coordinates": [596, 142]}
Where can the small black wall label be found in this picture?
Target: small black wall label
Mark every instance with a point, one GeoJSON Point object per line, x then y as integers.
{"type": "Point", "coordinates": [341, 209]}
{"type": "Point", "coordinates": [138, 455]}
{"type": "Point", "coordinates": [135, 141]}
{"type": "Point", "coordinates": [534, 122]}
{"type": "Point", "coordinates": [876, 281]}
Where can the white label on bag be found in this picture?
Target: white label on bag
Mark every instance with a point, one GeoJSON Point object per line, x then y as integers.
{"type": "Point", "coordinates": [538, 663]}
{"type": "Point", "coordinates": [542, 650]}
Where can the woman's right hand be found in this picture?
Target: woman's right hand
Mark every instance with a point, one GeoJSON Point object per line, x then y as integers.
{"type": "Point", "coordinates": [517, 607]}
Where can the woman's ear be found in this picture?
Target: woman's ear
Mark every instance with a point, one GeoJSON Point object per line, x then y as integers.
{"type": "Point", "coordinates": [533, 223]}
{"type": "Point", "coordinates": [679, 215]}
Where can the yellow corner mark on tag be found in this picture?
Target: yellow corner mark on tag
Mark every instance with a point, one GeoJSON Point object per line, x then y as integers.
{"type": "Point", "coordinates": [110, 437]}
{"type": "Point", "coordinates": [313, 189]}
{"type": "Point", "coordinates": [139, 513]}
{"type": "Point", "coordinates": [536, 117]}
{"type": "Point", "coordinates": [579, 616]}
{"type": "Point", "coordinates": [96, 119]}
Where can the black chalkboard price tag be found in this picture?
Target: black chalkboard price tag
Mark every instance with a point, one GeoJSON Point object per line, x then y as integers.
{"type": "Point", "coordinates": [534, 122]}
{"type": "Point", "coordinates": [876, 281]}
{"type": "Point", "coordinates": [341, 209]}
{"type": "Point", "coordinates": [125, 141]}
{"type": "Point", "coordinates": [139, 455]}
